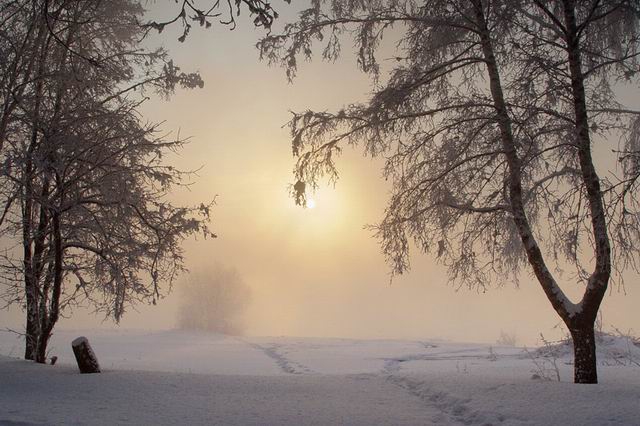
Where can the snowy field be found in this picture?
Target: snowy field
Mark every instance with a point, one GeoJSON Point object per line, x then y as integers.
{"type": "Point", "coordinates": [190, 378]}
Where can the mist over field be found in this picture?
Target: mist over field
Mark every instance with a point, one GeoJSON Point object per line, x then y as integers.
{"type": "Point", "coordinates": [214, 299]}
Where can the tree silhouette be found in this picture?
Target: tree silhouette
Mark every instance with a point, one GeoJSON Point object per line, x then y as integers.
{"type": "Point", "coordinates": [84, 185]}
{"type": "Point", "coordinates": [487, 121]}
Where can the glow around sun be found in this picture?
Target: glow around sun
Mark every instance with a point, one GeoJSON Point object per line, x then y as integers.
{"type": "Point", "coordinates": [311, 203]}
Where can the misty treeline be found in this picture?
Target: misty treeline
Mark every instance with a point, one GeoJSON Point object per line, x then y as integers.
{"type": "Point", "coordinates": [214, 298]}
{"type": "Point", "coordinates": [502, 134]}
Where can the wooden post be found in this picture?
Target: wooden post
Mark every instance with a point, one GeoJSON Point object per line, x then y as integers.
{"type": "Point", "coordinates": [86, 358]}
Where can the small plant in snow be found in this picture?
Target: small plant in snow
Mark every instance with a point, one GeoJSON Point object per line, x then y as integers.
{"type": "Point", "coordinates": [545, 359]}
{"type": "Point", "coordinates": [620, 348]}
{"type": "Point", "coordinates": [492, 355]}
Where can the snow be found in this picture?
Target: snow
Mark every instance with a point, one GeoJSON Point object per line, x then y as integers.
{"type": "Point", "coordinates": [178, 377]}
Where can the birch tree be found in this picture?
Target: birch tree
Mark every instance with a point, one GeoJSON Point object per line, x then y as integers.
{"type": "Point", "coordinates": [488, 120]}
{"type": "Point", "coordinates": [86, 186]}
{"type": "Point", "coordinates": [188, 13]}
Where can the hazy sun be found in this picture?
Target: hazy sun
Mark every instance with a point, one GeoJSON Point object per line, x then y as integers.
{"type": "Point", "coordinates": [311, 203]}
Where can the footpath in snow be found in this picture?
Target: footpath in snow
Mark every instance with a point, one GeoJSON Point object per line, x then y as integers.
{"type": "Point", "coordinates": [185, 378]}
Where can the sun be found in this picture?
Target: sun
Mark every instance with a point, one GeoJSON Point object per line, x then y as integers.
{"type": "Point", "coordinates": [311, 203]}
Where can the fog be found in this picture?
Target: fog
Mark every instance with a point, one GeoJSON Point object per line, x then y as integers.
{"type": "Point", "coordinates": [215, 299]}
{"type": "Point", "coordinates": [310, 272]}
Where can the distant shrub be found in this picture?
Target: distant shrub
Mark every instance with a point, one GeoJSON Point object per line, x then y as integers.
{"type": "Point", "coordinates": [214, 299]}
{"type": "Point", "coordinates": [506, 339]}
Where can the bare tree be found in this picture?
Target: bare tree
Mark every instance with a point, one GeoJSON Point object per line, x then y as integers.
{"type": "Point", "coordinates": [204, 14]}
{"type": "Point", "coordinates": [214, 299]}
{"type": "Point", "coordinates": [487, 122]}
{"type": "Point", "coordinates": [86, 187]}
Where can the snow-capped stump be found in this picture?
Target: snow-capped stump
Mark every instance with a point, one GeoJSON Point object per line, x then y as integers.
{"type": "Point", "coordinates": [85, 357]}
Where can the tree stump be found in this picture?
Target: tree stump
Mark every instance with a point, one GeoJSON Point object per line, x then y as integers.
{"type": "Point", "coordinates": [85, 357]}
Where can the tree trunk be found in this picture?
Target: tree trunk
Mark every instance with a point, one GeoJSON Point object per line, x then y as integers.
{"type": "Point", "coordinates": [30, 338]}
{"type": "Point", "coordinates": [86, 358]}
{"type": "Point", "coordinates": [49, 319]}
{"type": "Point", "coordinates": [41, 352]}
{"type": "Point", "coordinates": [585, 368]}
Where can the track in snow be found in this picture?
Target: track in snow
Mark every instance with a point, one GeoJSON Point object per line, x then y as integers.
{"type": "Point", "coordinates": [276, 353]}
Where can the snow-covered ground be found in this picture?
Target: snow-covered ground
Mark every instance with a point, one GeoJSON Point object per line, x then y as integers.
{"type": "Point", "coordinates": [177, 377]}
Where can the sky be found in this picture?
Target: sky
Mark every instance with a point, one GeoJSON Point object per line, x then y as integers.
{"type": "Point", "coordinates": [312, 272]}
